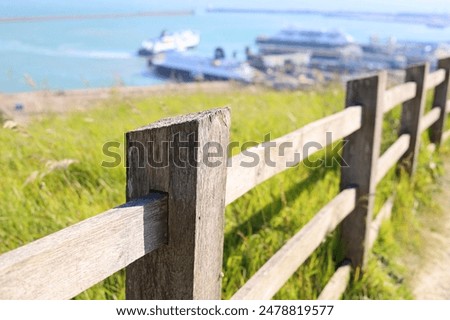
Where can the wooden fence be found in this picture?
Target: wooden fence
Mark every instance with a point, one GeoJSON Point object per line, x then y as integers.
{"type": "Point", "coordinates": [171, 240]}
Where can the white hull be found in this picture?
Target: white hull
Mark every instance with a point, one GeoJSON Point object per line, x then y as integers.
{"type": "Point", "coordinates": [177, 41]}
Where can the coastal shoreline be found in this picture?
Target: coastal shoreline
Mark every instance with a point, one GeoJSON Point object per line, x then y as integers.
{"type": "Point", "coordinates": [39, 103]}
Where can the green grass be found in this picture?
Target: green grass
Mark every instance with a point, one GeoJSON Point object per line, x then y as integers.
{"type": "Point", "coordinates": [257, 225]}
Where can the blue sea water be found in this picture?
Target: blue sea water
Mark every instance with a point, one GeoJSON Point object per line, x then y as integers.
{"type": "Point", "coordinates": [73, 54]}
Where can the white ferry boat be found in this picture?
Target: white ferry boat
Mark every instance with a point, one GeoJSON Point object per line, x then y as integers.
{"type": "Point", "coordinates": [170, 41]}
{"type": "Point", "coordinates": [332, 43]}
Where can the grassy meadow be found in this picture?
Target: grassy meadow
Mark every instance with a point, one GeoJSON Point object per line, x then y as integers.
{"type": "Point", "coordinates": [51, 177]}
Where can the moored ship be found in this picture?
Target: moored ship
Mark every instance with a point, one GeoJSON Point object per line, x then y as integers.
{"type": "Point", "coordinates": [170, 41]}
{"type": "Point", "coordinates": [317, 43]}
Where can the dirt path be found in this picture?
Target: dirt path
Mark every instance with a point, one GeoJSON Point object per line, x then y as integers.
{"type": "Point", "coordinates": [432, 281]}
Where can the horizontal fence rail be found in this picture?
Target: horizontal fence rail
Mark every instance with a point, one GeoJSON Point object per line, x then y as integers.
{"type": "Point", "coordinates": [70, 261]}
{"type": "Point", "coordinates": [337, 284]}
{"type": "Point", "coordinates": [399, 94]}
{"type": "Point", "coordinates": [435, 78]}
{"type": "Point", "coordinates": [383, 215]}
{"type": "Point", "coordinates": [430, 118]}
{"type": "Point", "coordinates": [241, 179]}
{"type": "Point", "coordinates": [391, 156]}
{"type": "Point", "coordinates": [446, 135]}
{"type": "Point", "coordinates": [272, 275]}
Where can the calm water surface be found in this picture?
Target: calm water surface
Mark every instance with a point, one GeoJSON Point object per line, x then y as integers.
{"type": "Point", "coordinates": [100, 53]}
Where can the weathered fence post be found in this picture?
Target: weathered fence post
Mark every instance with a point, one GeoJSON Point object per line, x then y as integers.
{"type": "Point", "coordinates": [412, 112]}
{"type": "Point", "coordinates": [186, 158]}
{"type": "Point", "coordinates": [440, 101]}
{"type": "Point", "coordinates": [360, 155]}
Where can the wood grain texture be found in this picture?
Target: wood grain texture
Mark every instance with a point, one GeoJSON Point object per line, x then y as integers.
{"type": "Point", "coordinates": [391, 156]}
{"type": "Point", "coordinates": [337, 284]}
{"type": "Point", "coordinates": [435, 78]}
{"type": "Point", "coordinates": [70, 261]}
{"type": "Point", "coordinates": [242, 178]}
{"type": "Point", "coordinates": [190, 266]}
{"type": "Point", "coordinates": [265, 283]}
{"type": "Point", "coordinates": [412, 112]}
{"type": "Point", "coordinates": [440, 101]}
{"type": "Point", "coordinates": [383, 215]}
{"type": "Point", "coordinates": [429, 119]}
{"type": "Point", "coordinates": [361, 154]}
{"type": "Point", "coordinates": [399, 94]}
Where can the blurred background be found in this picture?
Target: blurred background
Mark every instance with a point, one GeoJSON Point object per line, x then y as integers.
{"type": "Point", "coordinates": [84, 45]}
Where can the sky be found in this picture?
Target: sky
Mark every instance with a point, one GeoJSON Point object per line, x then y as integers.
{"type": "Point", "coordinates": [18, 7]}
